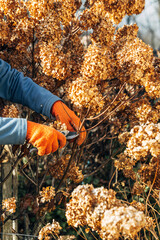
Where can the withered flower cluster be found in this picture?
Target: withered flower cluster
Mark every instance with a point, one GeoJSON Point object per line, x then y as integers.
{"type": "Point", "coordinates": [143, 144]}
{"type": "Point", "coordinates": [150, 173]}
{"type": "Point", "coordinates": [58, 167]}
{"type": "Point", "coordinates": [113, 54]}
{"type": "Point", "coordinates": [113, 9]}
{"type": "Point", "coordinates": [50, 230]}
{"type": "Point", "coordinates": [10, 111]}
{"type": "Point", "coordinates": [125, 221]}
{"type": "Point", "coordinates": [87, 205]}
{"type": "Point", "coordinates": [16, 25]}
{"type": "Point", "coordinates": [60, 50]}
{"type": "Point", "coordinates": [144, 113]}
{"type": "Point", "coordinates": [32, 31]}
{"type": "Point", "coordinates": [61, 62]}
{"type": "Point", "coordinates": [144, 140]}
{"type": "Point", "coordinates": [85, 95]}
{"type": "Point", "coordinates": [99, 209]}
{"type": "Point", "coordinates": [47, 194]}
{"type": "Point", "coordinates": [98, 64]}
{"type": "Point", "coordinates": [9, 205]}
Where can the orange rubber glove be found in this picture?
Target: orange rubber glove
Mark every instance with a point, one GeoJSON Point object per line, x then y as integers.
{"type": "Point", "coordinates": [67, 116]}
{"type": "Point", "coordinates": [44, 138]}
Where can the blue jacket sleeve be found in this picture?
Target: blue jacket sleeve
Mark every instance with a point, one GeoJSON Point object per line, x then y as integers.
{"type": "Point", "coordinates": [19, 89]}
{"type": "Point", "coordinates": [12, 130]}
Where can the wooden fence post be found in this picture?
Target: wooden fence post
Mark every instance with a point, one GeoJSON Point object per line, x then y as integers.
{"type": "Point", "coordinates": [9, 189]}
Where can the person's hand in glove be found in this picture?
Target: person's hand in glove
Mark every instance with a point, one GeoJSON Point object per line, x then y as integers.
{"type": "Point", "coordinates": [67, 116]}
{"type": "Point", "coordinates": [44, 138]}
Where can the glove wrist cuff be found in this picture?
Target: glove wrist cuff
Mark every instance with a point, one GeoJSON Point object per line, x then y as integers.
{"type": "Point", "coordinates": [30, 129]}
{"type": "Point", "coordinates": [55, 106]}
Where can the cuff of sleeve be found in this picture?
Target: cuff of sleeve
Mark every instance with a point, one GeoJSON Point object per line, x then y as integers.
{"type": "Point", "coordinates": [13, 130]}
{"type": "Point", "coordinates": [23, 130]}
{"type": "Point", "coordinates": [21, 126]}
{"type": "Point", "coordinates": [48, 105]}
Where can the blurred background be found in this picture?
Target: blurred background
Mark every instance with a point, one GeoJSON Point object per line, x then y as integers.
{"type": "Point", "coordinates": [148, 22]}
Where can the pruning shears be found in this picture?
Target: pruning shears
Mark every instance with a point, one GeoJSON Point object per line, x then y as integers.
{"type": "Point", "coordinates": [69, 136]}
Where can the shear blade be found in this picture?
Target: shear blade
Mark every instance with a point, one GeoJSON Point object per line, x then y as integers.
{"type": "Point", "coordinates": [70, 135]}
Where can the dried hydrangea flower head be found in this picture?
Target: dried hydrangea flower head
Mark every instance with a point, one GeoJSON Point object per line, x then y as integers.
{"type": "Point", "coordinates": [69, 8]}
{"type": "Point", "coordinates": [144, 140]}
{"type": "Point", "coordinates": [54, 62]}
{"type": "Point", "coordinates": [47, 194]}
{"type": "Point", "coordinates": [143, 144]}
{"type": "Point", "coordinates": [10, 111]}
{"type": "Point", "coordinates": [18, 24]}
{"type": "Point", "coordinates": [61, 64]}
{"type": "Point", "coordinates": [85, 95]}
{"type": "Point", "coordinates": [59, 57]}
{"type": "Point", "coordinates": [151, 84]}
{"type": "Point", "coordinates": [87, 202]}
{"type": "Point", "coordinates": [144, 112]}
{"type": "Point", "coordinates": [153, 87]}
{"type": "Point", "coordinates": [135, 7]}
{"type": "Point", "coordinates": [122, 221]}
{"type": "Point", "coordinates": [98, 64]}
{"type": "Point", "coordinates": [134, 57]}
{"type": "Point", "coordinates": [96, 18]}
{"type": "Point", "coordinates": [49, 230]}
{"type": "Point", "coordinates": [116, 10]}
{"type": "Point", "coordinates": [99, 209]}
{"type": "Point", "coordinates": [150, 173]}
{"type": "Point", "coordinates": [80, 205]}
{"type": "Point", "coordinates": [57, 169]}
{"type": "Point", "coordinates": [104, 200]}
{"type": "Point", "coordinates": [9, 205]}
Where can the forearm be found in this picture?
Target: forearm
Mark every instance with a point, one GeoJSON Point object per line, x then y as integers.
{"type": "Point", "coordinates": [12, 130]}
{"type": "Point", "coordinates": [19, 89]}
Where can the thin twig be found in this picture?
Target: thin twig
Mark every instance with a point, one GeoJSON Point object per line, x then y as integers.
{"type": "Point", "coordinates": [155, 176]}
{"type": "Point", "coordinates": [93, 235]}
{"type": "Point", "coordinates": [10, 172]}
{"type": "Point", "coordinates": [18, 234]}
{"type": "Point", "coordinates": [99, 115]}
{"type": "Point", "coordinates": [110, 113]}
{"type": "Point", "coordinates": [109, 185]}
{"type": "Point", "coordinates": [68, 166]}
{"type": "Point", "coordinates": [21, 170]}
{"type": "Point", "coordinates": [78, 233]}
{"type": "Point", "coordinates": [154, 234]}
{"type": "Point", "coordinates": [95, 171]}
{"type": "Point", "coordinates": [96, 141]}
{"type": "Point", "coordinates": [43, 178]}
{"type": "Point", "coordinates": [82, 233]}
